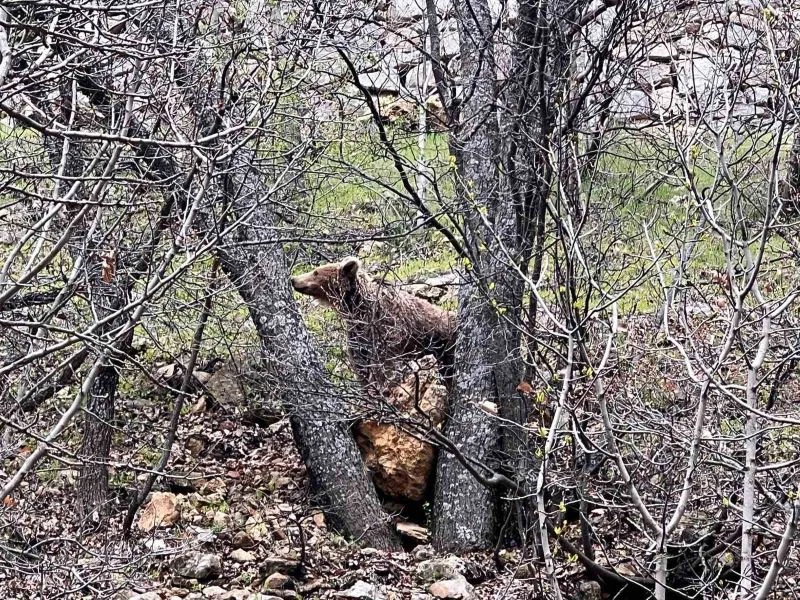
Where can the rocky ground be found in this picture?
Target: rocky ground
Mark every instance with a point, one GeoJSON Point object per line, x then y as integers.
{"type": "Point", "coordinates": [233, 521]}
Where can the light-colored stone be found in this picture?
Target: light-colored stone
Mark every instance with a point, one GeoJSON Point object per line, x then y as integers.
{"type": "Point", "coordinates": [214, 591]}
{"type": "Point", "coordinates": [197, 565]}
{"type": "Point", "coordinates": [424, 552]}
{"type": "Point", "coordinates": [457, 588]}
{"type": "Point", "coordinates": [435, 569]}
{"type": "Point", "coordinates": [146, 596]}
{"type": "Point", "coordinates": [383, 81]}
{"type": "Point", "coordinates": [413, 531]}
{"type": "Point", "coordinates": [276, 581]}
{"type": "Point", "coordinates": [237, 595]}
{"type": "Point", "coordinates": [163, 510]}
{"type": "Point", "coordinates": [361, 590]}
{"type": "Point", "coordinates": [242, 556]}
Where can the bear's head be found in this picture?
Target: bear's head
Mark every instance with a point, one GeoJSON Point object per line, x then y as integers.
{"type": "Point", "coordinates": [332, 284]}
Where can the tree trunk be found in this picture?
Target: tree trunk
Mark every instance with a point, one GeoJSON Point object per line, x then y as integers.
{"type": "Point", "coordinates": [105, 296]}
{"type": "Point", "coordinates": [92, 486]}
{"type": "Point", "coordinates": [793, 172]}
{"type": "Point", "coordinates": [503, 218]}
{"type": "Point", "coordinates": [464, 509]}
{"type": "Point", "coordinates": [256, 265]}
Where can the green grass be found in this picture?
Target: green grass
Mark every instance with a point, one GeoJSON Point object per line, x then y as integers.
{"type": "Point", "coordinates": [639, 182]}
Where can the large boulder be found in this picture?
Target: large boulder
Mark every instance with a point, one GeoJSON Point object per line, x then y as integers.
{"type": "Point", "coordinates": [402, 463]}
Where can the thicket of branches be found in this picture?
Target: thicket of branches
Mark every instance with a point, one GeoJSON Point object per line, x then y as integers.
{"type": "Point", "coordinates": [627, 289]}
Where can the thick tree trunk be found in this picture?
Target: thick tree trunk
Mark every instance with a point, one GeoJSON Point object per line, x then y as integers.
{"type": "Point", "coordinates": [92, 485]}
{"type": "Point", "coordinates": [464, 509]}
{"type": "Point", "coordinates": [256, 265]}
{"type": "Point", "coordinates": [504, 223]}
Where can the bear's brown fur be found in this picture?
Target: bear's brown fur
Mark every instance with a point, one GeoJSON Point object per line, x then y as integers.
{"type": "Point", "coordinates": [385, 326]}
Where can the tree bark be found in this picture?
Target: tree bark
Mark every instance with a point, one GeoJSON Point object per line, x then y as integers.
{"type": "Point", "coordinates": [105, 296]}
{"type": "Point", "coordinates": [503, 214]}
{"type": "Point", "coordinates": [255, 263]}
{"type": "Point", "coordinates": [464, 509]}
{"type": "Point", "coordinates": [92, 486]}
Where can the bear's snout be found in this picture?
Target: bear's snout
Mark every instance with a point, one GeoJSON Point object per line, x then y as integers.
{"type": "Point", "coordinates": [300, 284]}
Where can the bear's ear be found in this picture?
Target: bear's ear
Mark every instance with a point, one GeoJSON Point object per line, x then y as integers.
{"type": "Point", "coordinates": [349, 267]}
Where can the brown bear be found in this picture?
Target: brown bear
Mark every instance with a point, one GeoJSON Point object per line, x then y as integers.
{"type": "Point", "coordinates": [385, 326]}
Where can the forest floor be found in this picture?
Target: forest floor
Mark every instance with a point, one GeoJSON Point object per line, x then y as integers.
{"type": "Point", "coordinates": [235, 519]}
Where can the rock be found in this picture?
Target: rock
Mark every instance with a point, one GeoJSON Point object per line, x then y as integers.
{"type": "Point", "coordinates": [185, 483]}
{"type": "Point", "coordinates": [413, 531]}
{"type": "Point", "coordinates": [442, 280]}
{"type": "Point", "coordinates": [242, 556]}
{"type": "Point", "coordinates": [195, 445]}
{"type": "Point", "coordinates": [225, 385]}
{"type": "Point", "coordinates": [214, 591]}
{"type": "Point", "coordinates": [204, 535]}
{"type": "Point", "coordinates": [369, 551]}
{"type": "Point", "coordinates": [435, 569]}
{"type": "Point", "coordinates": [287, 594]}
{"type": "Point", "coordinates": [361, 590]}
{"type": "Point", "coordinates": [525, 571]}
{"type": "Point", "coordinates": [163, 510]}
{"type": "Point", "coordinates": [276, 581]}
{"type": "Point", "coordinates": [319, 520]}
{"type": "Point", "coordinates": [155, 545]}
{"type": "Point", "coordinates": [590, 590]}
{"type": "Point", "coordinates": [197, 565]}
{"type": "Point", "coordinates": [424, 552]}
{"type": "Point", "coordinates": [401, 463]}
{"type": "Point", "coordinates": [276, 564]}
{"type": "Point", "coordinates": [457, 588]}
{"type": "Point", "coordinates": [237, 595]}
{"type": "Point", "coordinates": [220, 520]}
{"type": "Point", "coordinates": [241, 539]}
{"type": "Point", "coordinates": [146, 596]}
{"type": "Point", "coordinates": [256, 528]}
